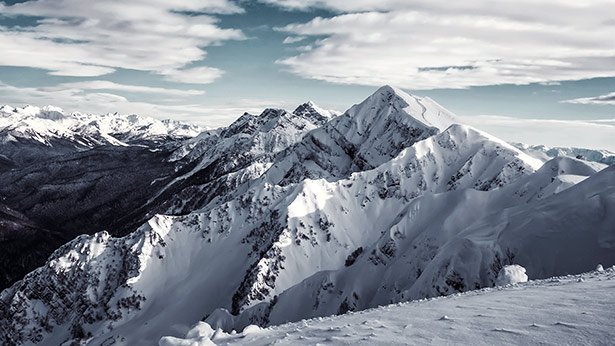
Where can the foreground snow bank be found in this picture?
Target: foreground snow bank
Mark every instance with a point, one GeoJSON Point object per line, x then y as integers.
{"type": "Point", "coordinates": [575, 309]}
{"type": "Point", "coordinates": [202, 334]}
{"type": "Point", "coordinates": [511, 274]}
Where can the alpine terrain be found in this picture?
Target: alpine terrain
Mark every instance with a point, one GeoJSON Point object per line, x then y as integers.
{"type": "Point", "coordinates": [286, 216]}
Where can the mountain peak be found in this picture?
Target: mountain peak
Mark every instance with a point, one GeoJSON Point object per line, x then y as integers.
{"type": "Point", "coordinates": [423, 110]}
{"type": "Point", "coordinates": [391, 90]}
{"type": "Point", "coordinates": [6, 109]}
{"type": "Point", "coordinates": [389, 95]}
{"type": "Point", "coordinates": [51, 113]}
{"type": "Point", "coordinates": [312, 110]}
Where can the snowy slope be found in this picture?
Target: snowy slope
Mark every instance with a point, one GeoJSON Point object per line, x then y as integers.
{"type": "Point", "coordinates": [286, 207]}
{"type": "Point", "coordinates": [577, 309]}
{"type": "Point", "coordinates": [454, 241]}
{"type": "Point", "coordinates": [326, 221]}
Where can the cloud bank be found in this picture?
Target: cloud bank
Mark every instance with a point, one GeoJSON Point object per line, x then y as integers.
{"type": "Point", "coordinates": [427, 44]}
{"type": "Point", "coordinates": [608, 99]}
{"type": "Point", "coordinates": [597, 134]}
{"type": "Point", "coordinates": [94, 38]}
{"type": "Point", "coordinates": [102, 97]}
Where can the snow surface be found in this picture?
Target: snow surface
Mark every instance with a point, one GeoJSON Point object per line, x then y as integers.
{"type": "Point", "coordinates": [571, 310]}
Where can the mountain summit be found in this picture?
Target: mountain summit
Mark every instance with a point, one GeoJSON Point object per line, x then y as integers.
{"type": "Point", "coordinates": [311, 109]}
{"type": "Point", "coordinates": [390, 101]}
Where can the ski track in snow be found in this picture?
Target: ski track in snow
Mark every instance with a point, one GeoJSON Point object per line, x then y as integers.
{"type": "Point", "coordinates": [574, 310]}
{"type": "Point", "coordinates": [423, 109]}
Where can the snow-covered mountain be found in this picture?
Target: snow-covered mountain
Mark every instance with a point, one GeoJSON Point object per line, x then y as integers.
{"type": "Point", "coordinates": [50, 123]}
{"type": "Point", "coordinates": [115, 188]}
{"type": "Point", "coordinates": [365, 136]}
{"type": "Point", "coordinates": [289, 215]}
{"type": "Point", "coordinates": [423, 255]}
{"type": "Point", "coordinates": [546, 153]}
{"type": "Point", "coordinates": [31, 134]}
{"type": "Point", "coordinates": [218, 162]}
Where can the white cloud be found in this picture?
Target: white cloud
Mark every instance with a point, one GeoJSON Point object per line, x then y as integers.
{"type": "Point", "coordinates": [80, 99]}
{"type": "Point", "coordinates": [200, 75]}
{"type": "Point", "coordinates": [608, 99]}
{"type": "Point", "coordinates": [293, 39]}
{"type": "Point", "coordinates": [342, 5]}
{"type": "Point", "coordinates": [93, 38]}
{"type": "Point", "coordinates": [596, 134]}
{"type": "Point", "coordinates": [223, 114]}
{"type": "Point", "coordinates": [83, 97]}
{"type": "Point", "coordinates": [604, 121]}
{"type": "Point", "coordinates": [427, 44]}
{"type": "Point", "coordinates": [107, 85]}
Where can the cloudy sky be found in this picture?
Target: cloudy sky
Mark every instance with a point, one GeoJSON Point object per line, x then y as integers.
{"type": "Point", "coordinates": [538, 71]}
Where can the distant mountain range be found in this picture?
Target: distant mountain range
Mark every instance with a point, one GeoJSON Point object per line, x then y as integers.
{"type": "Point", "coordinates": [278, 217]}
{"type": "Point", "coordinates": [546, 153]}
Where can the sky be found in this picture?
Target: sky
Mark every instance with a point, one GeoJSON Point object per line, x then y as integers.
{"type": "Point", "coordinates": [534, 71]}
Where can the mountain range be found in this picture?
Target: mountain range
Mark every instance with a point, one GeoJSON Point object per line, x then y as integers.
{"type": "Point", "coordinates": [278, 217]}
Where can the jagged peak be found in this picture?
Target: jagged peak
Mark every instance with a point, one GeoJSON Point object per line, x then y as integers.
{"type": "Point", "coordinates": [273, 118]}
{"type": "Point", "coordinates": [51, 113]}
{"type": "Point", "coordinates": [388, 95]}
{"type": "Point", "coordinates": [389, 89]}
{"type": "Point", "coordinates": [272, 112]}
{"type": "Point", "coordinates": [313, 112]}
{"type": "Point", "coordinates": [7, 109]}
{"type": "Point", "coordinates": [309, 105]}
